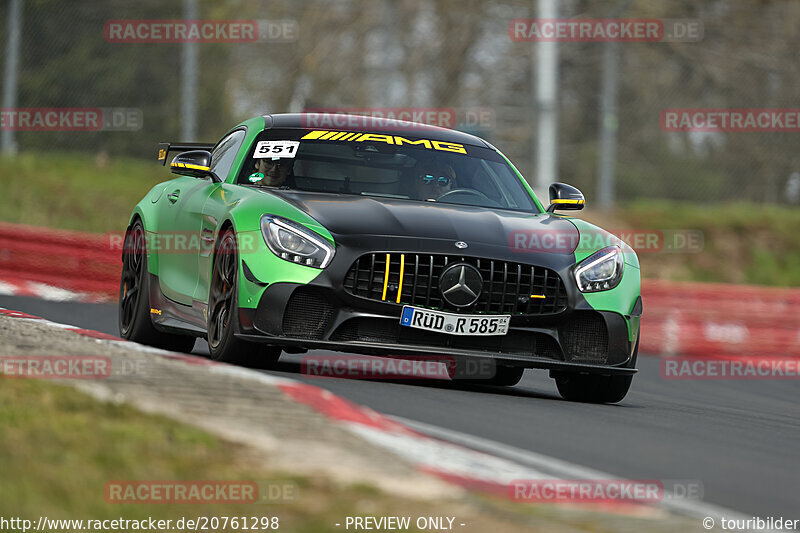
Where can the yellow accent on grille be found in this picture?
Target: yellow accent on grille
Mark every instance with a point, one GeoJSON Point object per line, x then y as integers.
{"type": "Point", "coordinates": [386, 276]}
{"type": "Point", "coordinates": [402, 269]}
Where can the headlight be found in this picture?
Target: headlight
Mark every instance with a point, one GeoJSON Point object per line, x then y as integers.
{"type": "Point", "coordinates": [295, 243]}
{"type": "Point", "coordinates": [600, 271]}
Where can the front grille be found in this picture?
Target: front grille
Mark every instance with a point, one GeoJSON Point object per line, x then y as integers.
{"type": "Point", "coordinates": [307, 314]}
{"type": "Point", "coordinates": [507, 286]}
{"type": "Point", "coordinates": [584, 336]}
{"type": "Point", "coordinates": [388, 331]}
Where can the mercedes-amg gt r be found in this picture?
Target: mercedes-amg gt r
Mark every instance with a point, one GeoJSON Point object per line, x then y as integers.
{"type": "Point", "coordinates": [385, 238]}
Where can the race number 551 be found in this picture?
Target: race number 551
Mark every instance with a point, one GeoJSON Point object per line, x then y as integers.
{"type": "Point", "coordinates": [276, 149]}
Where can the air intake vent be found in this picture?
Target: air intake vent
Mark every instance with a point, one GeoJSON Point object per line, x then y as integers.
{"type": "Point", "coordinates": [307, 314]}
{"type": "Point", "coordinates": [584, 336]}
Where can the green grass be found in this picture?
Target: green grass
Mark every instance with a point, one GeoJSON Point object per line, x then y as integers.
{"type": "Point", "coordinates": [59, 447]}
{"type": "Point", "coordinates": [744, 243]}
{"type": "Point", "coordinates": [74, 190]}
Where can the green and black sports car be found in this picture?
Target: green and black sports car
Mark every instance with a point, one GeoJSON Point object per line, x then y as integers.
{"type": "Point", "coordinates": [382, 238]}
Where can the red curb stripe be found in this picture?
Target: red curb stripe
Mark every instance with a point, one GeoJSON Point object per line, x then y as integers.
{"type": "Point", "coordinates": [18, 314]}
{"type": "Point", "coordinates": [504, 490]}
{"type": "Point", "coordinates": [341, 409]}
{"type": "Point", "coordinates": [483, 485]}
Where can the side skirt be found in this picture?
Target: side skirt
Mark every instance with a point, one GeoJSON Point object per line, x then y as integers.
{"type": "Point", "coordinates": [171, 317]}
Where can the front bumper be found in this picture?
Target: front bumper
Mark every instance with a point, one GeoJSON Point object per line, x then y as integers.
{"type": "Point", "coordinates": [316, 316]}
{"type": "Point", "coordinates": [323, 314]}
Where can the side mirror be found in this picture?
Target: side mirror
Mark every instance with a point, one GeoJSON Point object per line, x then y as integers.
{"type": "Point", "coordinates": [563, 196]}
{"type": "Point", "coordinates": [195, 164]}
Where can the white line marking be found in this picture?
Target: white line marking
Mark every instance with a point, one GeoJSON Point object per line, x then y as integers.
{"type": "Point", "coordinates": [446, 456]}
{"type": "Point", "coordinates": [564, 469]}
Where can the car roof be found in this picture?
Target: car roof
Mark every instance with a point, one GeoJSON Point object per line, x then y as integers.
{"type": "Point", "coordinates": [369, 125]}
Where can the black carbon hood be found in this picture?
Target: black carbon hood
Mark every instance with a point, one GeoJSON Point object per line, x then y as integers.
{"type": "Point", "coordinates": [351, 216]}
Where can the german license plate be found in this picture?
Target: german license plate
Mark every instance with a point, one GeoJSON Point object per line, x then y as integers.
{"type": "Point", "coordinates": [453, 324]}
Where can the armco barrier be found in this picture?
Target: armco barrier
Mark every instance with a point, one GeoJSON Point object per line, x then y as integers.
{"type": "Point", "coordinates": [83, 262]}
{"type": "Point", "coordinates": [719, 319]}
{"type": "Point", "coordinates": [679, 318]}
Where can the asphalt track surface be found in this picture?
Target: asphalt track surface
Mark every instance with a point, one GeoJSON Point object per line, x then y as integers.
{"type": "Point", "coordinates": [741, 439]}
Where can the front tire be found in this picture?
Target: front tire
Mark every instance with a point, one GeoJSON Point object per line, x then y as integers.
{"type": "Point", "coordinates": [133, 313]}
{"type": "Point", "coordinates": [506, 376]}
{"type": "Point", "coordinates": [223, 311]}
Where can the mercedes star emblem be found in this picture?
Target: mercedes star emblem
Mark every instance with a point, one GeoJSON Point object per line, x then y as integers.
{"type": "Point", "coordinates": [461, 284]}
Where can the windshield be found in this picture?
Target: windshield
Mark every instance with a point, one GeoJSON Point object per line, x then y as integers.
{"type": "Point", "coordinates": [391, 165]}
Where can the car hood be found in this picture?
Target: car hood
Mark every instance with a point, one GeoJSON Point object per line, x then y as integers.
{"type": "Point", "coordinates": [349, 215]}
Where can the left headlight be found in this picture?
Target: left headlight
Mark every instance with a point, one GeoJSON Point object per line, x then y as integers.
{"type": "Point", "coordinates": [600, 271]}
{"type": "Point", "coordinates": [295, 243]}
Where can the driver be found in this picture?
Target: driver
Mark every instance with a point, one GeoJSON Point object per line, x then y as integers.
{"type": "Point", "coordinates": [271, 171]}
{"type": "Point", "coordinates": [434, 179]}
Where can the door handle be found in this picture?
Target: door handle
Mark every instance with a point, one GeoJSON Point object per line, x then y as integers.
{"type": "Point", "coordinates": [173, 196]}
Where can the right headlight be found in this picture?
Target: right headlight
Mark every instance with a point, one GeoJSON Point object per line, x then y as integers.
{"type": "Point", "coordinates": [295, 243]}
{"type": "Point", "coordinates": [600, 271]}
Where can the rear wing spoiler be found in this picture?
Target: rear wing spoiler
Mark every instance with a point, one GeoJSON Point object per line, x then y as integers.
{"type": "Point", "coordinates": [165, 148]}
